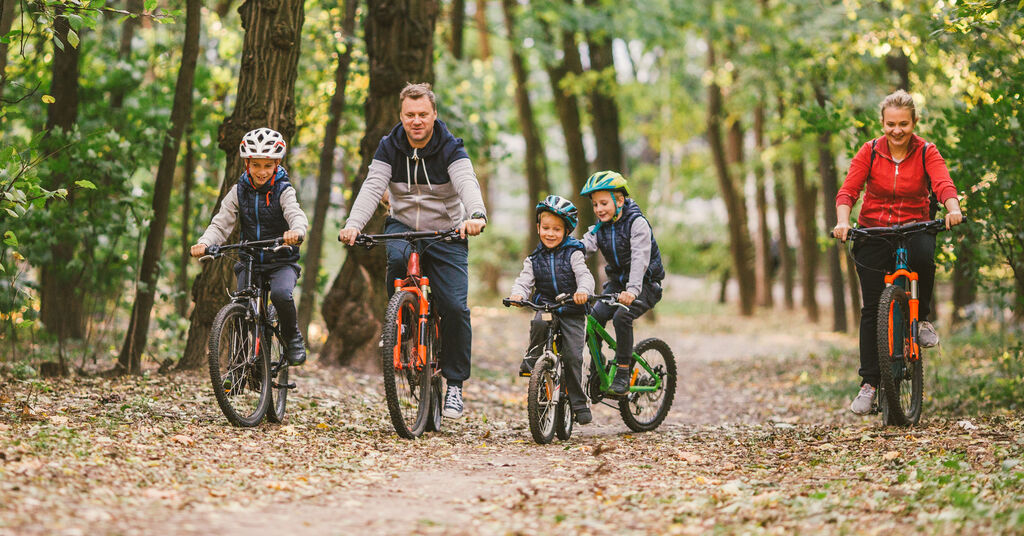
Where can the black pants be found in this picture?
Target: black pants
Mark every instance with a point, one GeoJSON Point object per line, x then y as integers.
{"type": "Point", "coordinates": [622, 319]}
{"type": "Point", "coordinates": [282, 279]}
{"type": "Point", "coordinates": [573, 329]}
{"type": "Point", "coordinates": [875, 257]}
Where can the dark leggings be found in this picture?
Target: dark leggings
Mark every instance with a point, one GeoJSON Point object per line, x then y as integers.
{"type": "Point", "coordinates": [282, 279]}
{"type": "Point", "coordinates": [876, 257]}
{"type": "Point", "coordinates": [622, 319]}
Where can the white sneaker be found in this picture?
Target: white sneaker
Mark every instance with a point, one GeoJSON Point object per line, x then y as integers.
{"type": "Point", "coordinates": [926, 336]}
{"type": "Point", "coordinates": [862, 404]}
{"type": "Point", "coordinates": [453, 406]}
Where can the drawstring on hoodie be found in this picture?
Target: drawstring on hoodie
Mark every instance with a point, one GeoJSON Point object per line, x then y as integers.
{"type": "Point", "coordinates": [412, 177]}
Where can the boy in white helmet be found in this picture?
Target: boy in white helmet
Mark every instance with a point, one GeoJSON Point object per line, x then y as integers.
{"type": "Point", "coordinates": [264, 200]}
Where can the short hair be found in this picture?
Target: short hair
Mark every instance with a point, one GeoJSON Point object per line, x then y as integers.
{"type": "Point", "coordinates": [418, 91]}
{"type": "Point", "coordinates": [899, 99]}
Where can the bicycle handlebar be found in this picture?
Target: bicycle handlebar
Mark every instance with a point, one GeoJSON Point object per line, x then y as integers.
{"type": "Point", "coordinates": [610, 299]}
{"type": "Point", "coordinates": [898, 230]}
{"type": "Point", "coordinates": [371, 240]}
{"type": "Point", "coordinates": [274, 244]}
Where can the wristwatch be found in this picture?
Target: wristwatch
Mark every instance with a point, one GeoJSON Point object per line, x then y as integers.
{"type": "Point", "coordinates": [478, 216]}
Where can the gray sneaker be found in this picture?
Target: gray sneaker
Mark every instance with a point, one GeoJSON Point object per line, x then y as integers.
{"type": "Point", "coordinates": [862, 404]}
{"type": "Point", "coordinates": [926, 336]}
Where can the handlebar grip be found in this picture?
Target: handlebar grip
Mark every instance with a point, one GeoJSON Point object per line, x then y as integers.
{"type": "Point", "coordinates": [206, 258]}
{"type": "Point", "coordinates": [506, 302]}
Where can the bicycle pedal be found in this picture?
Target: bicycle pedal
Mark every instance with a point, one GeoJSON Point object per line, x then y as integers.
{"type": "Point", "coordinates": [284, 386]}
{"type": "Point", "coordinates": [525, 374]}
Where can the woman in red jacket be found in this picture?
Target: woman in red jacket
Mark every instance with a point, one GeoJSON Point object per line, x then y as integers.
{"type": "Point", "coordinates": [896, 169]}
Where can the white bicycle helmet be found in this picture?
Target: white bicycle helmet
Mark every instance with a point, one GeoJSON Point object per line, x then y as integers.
{"type": "Point", "coordinates": [262, 143]}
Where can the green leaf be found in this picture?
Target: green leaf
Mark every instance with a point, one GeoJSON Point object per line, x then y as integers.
{"type": "Point", "coordinates": [73, 39]}
{"type": "Point", "coordinates": [10, 239]}
{"type": "Point", "coordinates": [48, 99]}
{"type": "Point", "coordinates": [150, 5]}
{"type": "Point", "coordinates": [85, 184]}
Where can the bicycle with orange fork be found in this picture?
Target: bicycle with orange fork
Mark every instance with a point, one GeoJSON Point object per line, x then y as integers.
{"type": "Point", "coordinates": [411, 340]}
{"type": "Point", "coordinates": [899, 354]}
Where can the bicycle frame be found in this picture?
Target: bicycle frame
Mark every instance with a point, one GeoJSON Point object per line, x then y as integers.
{"type": "Point", "coordinates": [594, 332]}
{"type": "Point", "coordinates": [419, 285]}
{"type": "Point", "coordinates": [905, 277]}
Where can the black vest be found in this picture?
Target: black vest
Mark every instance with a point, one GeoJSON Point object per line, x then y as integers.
{"type": "Point", "coordinates": [614, 241]}
{"type": "Point", "coordinates": [261, 215]}
{"type": "Point", "coordinates": [553, 275]}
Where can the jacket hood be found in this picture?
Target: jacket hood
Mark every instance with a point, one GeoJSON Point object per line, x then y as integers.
{"type": "Point", "coordinates": [440, 139]}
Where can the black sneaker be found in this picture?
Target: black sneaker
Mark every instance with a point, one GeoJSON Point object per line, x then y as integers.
{"type": "Point", "coordinates": [526, 367]}
{"type": "Point", "coordinates": [583, 416]}
{"type": "Point", "coordinates": [295, 351]}
{"type": "Point", "coordinates": [453, 406]}
{"type": "Point", "coordinates": [620, 383]}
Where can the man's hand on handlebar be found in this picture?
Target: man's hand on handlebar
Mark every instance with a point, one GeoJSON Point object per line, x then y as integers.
{"type": "Point", "coordinates": [198, 250]}
{"type": "Point", "coordinates": [472, 227]}
{"type": "Point", "coordinates": [348, 236]}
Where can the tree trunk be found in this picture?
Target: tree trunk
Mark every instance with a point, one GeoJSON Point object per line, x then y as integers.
{"type": "Point", "coordinates": [785, 255]}
{"type": "Point", "coordinates": [189, 179]}
{"type": "Point", "coordinates": [965, 289]}
{"type": "Point", "coordinates": [830, 187]}
{"type": "Point", "coordinates": [732, 195]}
{"type": "Point", "coordinates": [130, 359]}
{"type": "Point", "coordinates": [536, 163]}
{"type": "Point", "coordinates": [323, 185]}
{"type": "Point", "coordinates": [457, 20]}
{"type": "Point", "coordinates": [763, 244]}
{"type": "Point", "coordinates": [61, 298]}
{"type": "Point", "coordinates": [265, 98]}
{"type": "Point", "coordinates": [125, 50]}
{"type": "Point", "coordinates": [806, 208]}
{"type": "Point", "coordinates": [482, 29]}
{"type": "Point", "coordinates": [603, 108]}
{"type": "Point", "coordinates": [6, 20]}
{"type": "Point", "coordinates": [399, 45]}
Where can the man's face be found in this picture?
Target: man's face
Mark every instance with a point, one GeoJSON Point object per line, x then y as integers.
{"type": "Point", "coordinates": [418, 117]}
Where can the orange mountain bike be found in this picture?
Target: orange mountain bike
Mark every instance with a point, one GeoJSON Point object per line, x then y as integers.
{"type": "Point", "coordinates": [899, 355]}
{"type": "Point", "coordinates": [411, 340]}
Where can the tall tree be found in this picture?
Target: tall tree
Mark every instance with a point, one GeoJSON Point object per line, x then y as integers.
{"type": "Point", "coordinates": [61, 298]}
{"type": "Point", "coordinates": [536, 163]}
{"type": "Point", "coordinates": [807, 230]}
{"type": "Point", "coordinates": [785, 254]}
{"type": "Point", "coordinates": [188, 181]}
{"type": "Point", "coordinates": [457, 21]}
{"type": "Point", "coordinates": [763, 244]}
{"type": "Point", "coordinates": [323, 183]}
{"type": "Point", "coordinates": [128, 28]}
{"type": "Point", "coordinates": [6, 20]}
{"type": "Point", "coordinates": [130, 359]}
{"type": "Point", "coordinates": [483, 29]}
{"type": "Point", "coordinates": [265, 98]}
{"type": "Point", "coordinates": [603, 108]}
{"type": "Point", "coordinates": [400, 49]}
{"type": "Point", "coordinates": [830, 187]}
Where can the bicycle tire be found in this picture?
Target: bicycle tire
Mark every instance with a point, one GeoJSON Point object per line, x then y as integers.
{"type": "Point", "coordinates": [406, 388]}
{"type": "Point", "coordinates": [435, 418]}
{"type": "Point", "coordinates": [563, 418]}
{"type": "Point", "coordinates": [902, 380]}
{"type": "Point", "coordinates": [539, 409]}
{"type": "Point", "coordinates": [278, 395]}
{"type": "Point", "coordinates": [235, 369]}
{"type": "Point", "coordinates": [630, 406]}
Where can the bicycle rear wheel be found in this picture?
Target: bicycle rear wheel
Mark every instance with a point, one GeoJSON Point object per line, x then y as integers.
{"type": "Point", "coordinates": [406, 382]}
{"type": "Point", "coordinates": [902, 378]}
{"type": "Point", "coordinates": [434, 417]}
{"type": "Point", "coordinates": [541, 404]}
{"type": "Point", "coordinates": [643, 411]}
{"type": "Point", "coordinates": [238, 369]}
{"type": "Point", "coordinates": [563, 418]}
{"type": "Point", "coordinates": [279, 394]}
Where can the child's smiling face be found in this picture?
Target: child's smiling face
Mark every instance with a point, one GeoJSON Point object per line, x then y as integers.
{"type": "Point", "coordinates": [261, 170]}
{"type": "Point", "coordinates": [551, 229]}
{"type": "Point", "coordinates": [605, 204]}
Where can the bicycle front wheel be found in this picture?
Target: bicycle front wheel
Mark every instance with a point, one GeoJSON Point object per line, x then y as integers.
{"type": "Point", "coordinates": [239, 370]}
{"type": "Point", "coordinates": [542, 401]}
{"type": "Point", "coordinates": [406, 380]}
{"type": "Point", "coordinates": [902, 378]}
{"type": "Point", "coordinates": [278, 392]}
{"type": "Point", "coordinates": [652, 388]}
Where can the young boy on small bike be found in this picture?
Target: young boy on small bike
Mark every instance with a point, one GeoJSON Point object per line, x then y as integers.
{"type": "Point", "coordinates": [558, 266]}
{"type": "Point", "coordinates": [264, 200]}
{"type": "Point", "coordinates": [634, 267]}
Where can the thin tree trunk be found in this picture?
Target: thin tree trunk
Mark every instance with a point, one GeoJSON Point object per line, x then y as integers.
{"type": "Point", "coordinates": [807, 230]}
{"type": "Point", "coordinates": [785, 254]}
{"type": "Point", "coordinates": [603, 108]}
{"type": "Point", "coordinates": [265, 98]}
{"type": "Point", "coordinates": [536, 163]}
{"type": "Point", "coordinates": [483, 32]}
{"type": "Point", "coordinates": [965, 289]}
{"type": "Point", "coordinates": [323, 185]}
{"type": "Point", "coordinates": [130, 359]}
{"type": "Point", "coordinates": [399, 45]}
{"type": "Point", "coordinates": [763, 244]}
{"type": "Point", "coordinates": [189, 179]}
{"type": "Point", "coordinates": [125, 50]}
{"type": "Point", "coordinates": [739, 236]}
{"type": "Point", "coordinates": [830, 187]}
{"type": "Point", "coordinates": [457, 20]}
{"type": "Point", "coordinates": [6, 20]}
{"type": "Point", "coordinates": [61, 298]}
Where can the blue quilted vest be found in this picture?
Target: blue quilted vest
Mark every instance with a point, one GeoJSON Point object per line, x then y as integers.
{"type": "Point", "coordinates": [261, 215]}
{"type": "Point", "coordinates": [614, 241]}
{"type": "Point", "coordinates": [553, 275]}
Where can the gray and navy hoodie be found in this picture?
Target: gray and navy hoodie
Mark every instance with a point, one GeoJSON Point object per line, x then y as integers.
{"type": "Point", "coordinates": [431, 189]}
{"type": "Point", "coordinates": [265, 213]}
{"type": "Point", "coordinates": [629, 248]}
{"type": "Point", "coordinates": [554, 271]}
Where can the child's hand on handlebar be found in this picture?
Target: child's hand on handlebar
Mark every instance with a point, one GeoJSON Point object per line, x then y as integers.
{"type": "Point", "coordinates": [516, 298]}
{"type": "Point", "coordinates": [348, 236]}
{"type": "Point", "coordinates": [580, 298]}
{"type": "Point", "coordinates": [292, 237]}
{"type": "Point", "coordinates": [626, 298]}
{"type": "Point", "coordinates": [198, 250]}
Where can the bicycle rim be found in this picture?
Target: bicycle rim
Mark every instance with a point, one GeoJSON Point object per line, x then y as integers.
{"type": "Point", "coordinates": [901, 377]}
{"type": "Point", "coordinates": [406, 384]}
{"type": "Point", "coordinates": [279, 395]}
{"type": "Point", "coordinates": [240, 374]}
{"type": "Point", "coordinates": [643, 411]}
{"type": "Point", "coordinates": [542, 401]}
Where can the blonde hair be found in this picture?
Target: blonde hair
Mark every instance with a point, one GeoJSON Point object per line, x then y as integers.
{"type": "Point", "coordinates": [899, 99]}
{"type": "Point", "coordinates": [418, 91]}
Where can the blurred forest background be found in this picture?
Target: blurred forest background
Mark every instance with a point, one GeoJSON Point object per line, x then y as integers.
{"type": "Point", "coordinates": [734, 122]}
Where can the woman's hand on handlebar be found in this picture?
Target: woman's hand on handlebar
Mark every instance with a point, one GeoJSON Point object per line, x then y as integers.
{"type": "Point", "coordinates": [841, 231]}
{"type": "Point", "coordinates": [348, 236]}
{"type": "Point", "coordinates": [198, 250]}
{"type": "Point", "coordinates": [954, 218]}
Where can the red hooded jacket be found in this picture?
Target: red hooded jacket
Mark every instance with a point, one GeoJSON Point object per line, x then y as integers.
{"type": "Point", "coordinates": [896, 193]}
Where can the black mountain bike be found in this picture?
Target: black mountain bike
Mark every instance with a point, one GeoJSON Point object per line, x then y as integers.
{"type": "Point", "coordinates": [246, 354]}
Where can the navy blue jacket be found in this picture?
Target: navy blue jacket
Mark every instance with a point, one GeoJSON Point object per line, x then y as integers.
{"type": "Point", "coordinates": [614, 241]}
{"type": "Point", "coordinates": [261, 216]}
{"type": "Point", "coordinates": [553, 274]}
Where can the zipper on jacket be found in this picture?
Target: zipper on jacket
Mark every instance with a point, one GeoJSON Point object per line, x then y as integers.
{"type": "Point", "coordinates": [256, 208]}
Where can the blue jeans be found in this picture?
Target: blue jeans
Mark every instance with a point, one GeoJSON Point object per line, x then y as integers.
{"type": "Point", "coordinates": [447, 266]}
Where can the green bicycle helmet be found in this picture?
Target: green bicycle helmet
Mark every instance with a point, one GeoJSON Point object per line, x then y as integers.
{"type": "Point", "coordinates": [606, 180]}
{"type": "Point", "coordinates": [561, 207]}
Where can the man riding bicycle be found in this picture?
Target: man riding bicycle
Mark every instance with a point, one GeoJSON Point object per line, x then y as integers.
{"type": "Point", "coordinates": [432, 187]}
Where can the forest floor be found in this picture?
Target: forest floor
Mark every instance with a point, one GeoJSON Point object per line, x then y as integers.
{"type": "Point", "coordinates": [759, 440]}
